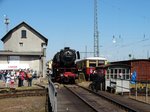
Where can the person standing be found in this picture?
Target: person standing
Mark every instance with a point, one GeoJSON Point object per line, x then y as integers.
{"type": "Point", "coordinates": [3, 78]}
{"type": "Point", "coordinates": [7, 79]}
{"type": "Point", "coordinates": [29, 78]}
{"type": "Point", "coordinates": [96, 80]}
{"type": "Point", "coordinates": [21, 78]}
{"type": "Point", "coordinates": [12, 81]}
{"type": "Point", "coordinates": [102, 80]}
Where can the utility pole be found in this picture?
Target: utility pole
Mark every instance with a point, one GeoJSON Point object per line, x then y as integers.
{"type": "Point", "coordinates": [96, 33]}
{"type": "Point", "coordinates": [85, 51]}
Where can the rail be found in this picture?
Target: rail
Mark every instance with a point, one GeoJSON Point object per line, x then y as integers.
{"type": "Point", "coordinates": [52, 96]}
{"type": "Point", "coordinates": [110, 99]}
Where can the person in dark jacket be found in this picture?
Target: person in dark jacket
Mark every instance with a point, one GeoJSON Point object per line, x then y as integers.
{"type": "Point", "coordinates": [96, 80]}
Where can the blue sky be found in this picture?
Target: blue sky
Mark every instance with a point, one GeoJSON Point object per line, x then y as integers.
{"type": "Point", "coordinates": [71, 23]}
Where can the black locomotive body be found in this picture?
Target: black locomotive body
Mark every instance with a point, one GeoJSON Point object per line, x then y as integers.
{"type": "Point", "coordinates": [64, 67]}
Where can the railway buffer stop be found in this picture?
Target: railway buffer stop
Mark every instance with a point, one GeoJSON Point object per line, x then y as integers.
{"type": "Point", "coordinates": [117, 77]}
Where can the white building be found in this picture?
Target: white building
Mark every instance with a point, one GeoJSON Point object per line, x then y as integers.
{"type": "Point", "coordinates": [24, 47]}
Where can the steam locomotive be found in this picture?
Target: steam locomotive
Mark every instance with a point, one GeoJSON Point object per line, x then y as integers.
{"type": "Point", "coordinates": [64, 67]}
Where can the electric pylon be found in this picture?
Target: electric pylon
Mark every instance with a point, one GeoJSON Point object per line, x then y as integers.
{"type": "Point", "coordinates": [96, 33]}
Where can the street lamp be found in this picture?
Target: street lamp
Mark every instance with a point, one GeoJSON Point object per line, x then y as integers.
{"type": "Point", "coordinates": [6, 21]}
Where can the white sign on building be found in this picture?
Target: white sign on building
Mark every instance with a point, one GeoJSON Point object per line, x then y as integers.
{"type": "Point", "coordinates": [13, 66]}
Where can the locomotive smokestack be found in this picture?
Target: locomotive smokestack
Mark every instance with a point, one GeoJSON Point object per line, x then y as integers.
{"type": "Point", "coordinates": [67, 48]}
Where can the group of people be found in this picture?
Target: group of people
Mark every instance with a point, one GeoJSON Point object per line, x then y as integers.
{"type": "Point", "coordinates": [9, 77]}
{"type": "Point", "coordinates": [98, 80]}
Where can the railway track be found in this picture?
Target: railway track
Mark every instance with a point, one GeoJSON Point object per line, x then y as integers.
{"type": "Point", "coordinates": [68, 102]}
{"type": "Point", "coordinates": [23, 93]}
{"type": "Point", "coordinates": [96, 102]}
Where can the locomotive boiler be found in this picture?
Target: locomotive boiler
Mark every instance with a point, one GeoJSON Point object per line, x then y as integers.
{"type": "Point", "coordinates": [64, 67]}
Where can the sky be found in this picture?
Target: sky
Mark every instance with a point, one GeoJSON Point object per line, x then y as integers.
{"type": "Point", "coordinates": [124, 25]}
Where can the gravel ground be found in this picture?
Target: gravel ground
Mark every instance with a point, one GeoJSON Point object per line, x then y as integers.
{"type": "Point", "coordinates": [23, 104]}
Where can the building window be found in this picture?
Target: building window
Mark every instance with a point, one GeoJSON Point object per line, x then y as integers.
{"type": "Point", "coordinates": [21, 44]}
{"type": "Point", "coordinates": [23, 34]}
{"type": "Point", "coordinates": [127, 77]}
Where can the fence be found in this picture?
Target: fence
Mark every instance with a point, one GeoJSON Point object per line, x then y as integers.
{"type": "Point", "coordinates": [140, 90]}
{"type": "Point", "coordinates": [52, 93]}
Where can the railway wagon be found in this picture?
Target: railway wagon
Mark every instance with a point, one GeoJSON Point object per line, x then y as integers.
{"type": "Point", "coordinates": [88, 65]}
{"type": "Point", "coordinates": [64, 67]}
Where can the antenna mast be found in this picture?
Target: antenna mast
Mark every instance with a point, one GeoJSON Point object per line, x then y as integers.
{"type": "Point", "coordinates": [96, 33]}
